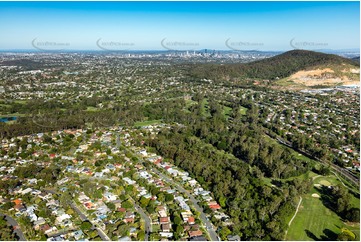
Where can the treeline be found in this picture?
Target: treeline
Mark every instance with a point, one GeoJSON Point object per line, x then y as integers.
{"type": "Point", "coordinates": [243, 136]}
{"type": "Point", "coordinates": [24, 63]}
{"type": "Point", "coordinates": [49, 116]}
{"type": "Point", "coordinates": [338, 199]}
{"type": "Point", "coordinates": [257, 211]}
{"type": "Point", "coordinates": [230, 156]}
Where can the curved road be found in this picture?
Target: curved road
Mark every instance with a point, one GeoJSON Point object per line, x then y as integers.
{"type": "Point", "coordinates": [83, 217]}
{"type": "Point", "coordinates": [209, 227]}
{"type": "Point", "coordinates": [15, 224]}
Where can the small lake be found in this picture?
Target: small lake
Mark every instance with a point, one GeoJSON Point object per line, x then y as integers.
{"type": "Point", "coordinates": [7, 119]}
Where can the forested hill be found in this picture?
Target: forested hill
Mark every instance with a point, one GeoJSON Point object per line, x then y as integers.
{"type": "Point", "coordinates": [279, 66]}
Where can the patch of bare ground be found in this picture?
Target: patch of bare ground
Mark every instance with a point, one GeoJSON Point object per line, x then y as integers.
{"type": "Point", "coordinates": [324, 77]}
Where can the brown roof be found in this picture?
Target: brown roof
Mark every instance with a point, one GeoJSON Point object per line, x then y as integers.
{"type": "Point", "coordinates": [195, 233]}
{"type": "Point", "coordinates": [121, 210]}
{"type": "Point", "coordinates": [129, 220]}
{"type": "Point", "coordinates": [44, 227]}
{"type": "Point", "coordinates": [165, 227]}
{"type": "Point", "coordinates": [164, 219]}
{"type": "Point", "coordinates": [18, 206]}
{"type": "Point", "coordinates": [214, 206]}
{"type": "Point", "coordinates": [195, 227]}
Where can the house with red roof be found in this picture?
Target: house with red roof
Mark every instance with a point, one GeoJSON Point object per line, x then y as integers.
{"type": "Point", "coordinates": [164, 220]}
{"type": "Point", "coordinates": [191, 220]}
{"type": "Point", "coordinates": [195, 233]}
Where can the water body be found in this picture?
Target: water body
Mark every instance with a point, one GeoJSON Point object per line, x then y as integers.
{"type": "Point", "coordinates": [7, 119]}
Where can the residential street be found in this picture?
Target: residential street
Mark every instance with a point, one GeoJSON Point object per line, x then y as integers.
{"type": "Point", "coordinates": [13, 223]}
{"type": "Point", "coordinates": [148, 222]}
{"type": "Point", "coordinates": [209, 226]}
{"type": "Point", "coordinates": [83, 217]}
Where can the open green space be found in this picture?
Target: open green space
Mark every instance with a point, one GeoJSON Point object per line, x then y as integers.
{"type": "Point", "coordinates": [189, 103]}
{"type": "Point", "coordinates": [314, 221]}
{"type": "Point", "coordinates": [309, 174]}
{"type": "Point", "coordinates": [332, 180]}
{"type": "Point", "coordinates": [243, 110]}
{"type": "Point", "coordinates": [14, 101]}
{"type": "Point", "coordinates": [12, 115]}
{"type": "Point", "coordinates": [20, 101]}
{"type": "Point", "coordinates": [91, 109]}
{"type": "Point", "coordinates": [204, 108]}
{"type": "Point", "coordinates": [285, 82]}
{"type": "Point", "coordinates": [156, 228]}
{"type": "Point", "coordinates": [227, 111]}
{"type": "Point", "coordinates": [147, 122]}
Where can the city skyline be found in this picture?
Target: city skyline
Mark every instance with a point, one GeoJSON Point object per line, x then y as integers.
{"type": "Point", "coordinates": [264, 26]}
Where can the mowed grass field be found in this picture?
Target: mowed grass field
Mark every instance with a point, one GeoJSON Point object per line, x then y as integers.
{"type": "Point", "coordinates": [205, 108]}
{"type": "Point", "coordinates": [243, 110]}
{"type": "Point", "coordinates": [147, 122]}
{"type": "Point", "coordinates": [314, 221]}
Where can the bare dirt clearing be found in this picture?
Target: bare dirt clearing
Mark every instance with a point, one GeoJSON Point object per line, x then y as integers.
{"type": "Point", "coordinates": [325, 76]}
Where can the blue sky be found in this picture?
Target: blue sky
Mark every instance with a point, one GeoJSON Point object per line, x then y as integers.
{"type": "Point", "coordinates": [179, 25]}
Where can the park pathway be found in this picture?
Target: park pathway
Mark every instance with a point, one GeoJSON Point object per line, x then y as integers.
{"type": "Point", "coordinates": [289, 223]}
